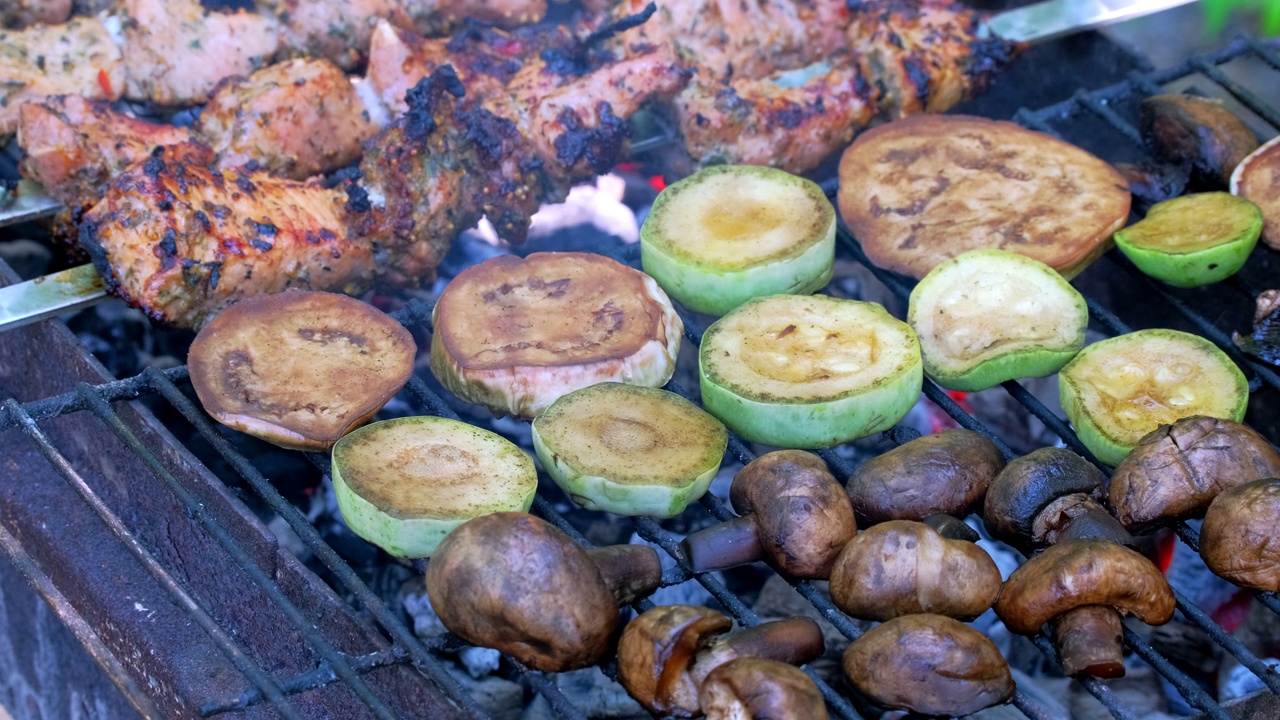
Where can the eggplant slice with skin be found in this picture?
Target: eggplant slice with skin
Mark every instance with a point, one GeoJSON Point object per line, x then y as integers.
{"type": "Point", "coordinates": [299, 369]}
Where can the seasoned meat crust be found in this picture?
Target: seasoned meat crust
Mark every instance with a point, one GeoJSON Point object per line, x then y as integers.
{"type": "Point", "coordinates": [337, 30]}
{"type": "Point", "coordinates": [182, 241]}
{"type": "Point", "coordinates": [76, 58]}
{"type": "Point", "coordinates": [21, 13]}
{"type": "Point", "coordinates": [924, 189]}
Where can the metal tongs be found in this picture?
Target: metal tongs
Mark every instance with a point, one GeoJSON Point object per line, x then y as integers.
{"type": "Point", "coordinates": [80, 287]}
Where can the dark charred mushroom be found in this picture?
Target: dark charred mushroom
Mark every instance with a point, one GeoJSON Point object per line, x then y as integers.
{"type": "Point", "coordinates": [667, 652]}
{"type": "Point", "coordinates": [749, 688]}
{"type": "Point", "coordinates": [928, 664]}
{"type": "Point", "coordinates": [1045, 498]}
{"type": "Point", "coordinates": [947, 472]}
{"type": "Point", "coordinates": [902, 568]}
{"type": "Point", "coordinates": [1177, 470]}
{"type": "Point", "coordinates": [1096, 575]}
{"type": "Point", "coordinates": [1199, 132]}
{"type": "Point", "coordinates": [794, 513]}
{"type": "Point", "coordinates": [515, 583]}
{"type": "Point", "coordinates": [1240, 537]}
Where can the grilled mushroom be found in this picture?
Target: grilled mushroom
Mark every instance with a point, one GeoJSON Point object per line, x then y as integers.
{"type": "Point", "coordinates": [947, 472]}
{"type": "Point", "coordinates": [794, 513]}
{"type": "Point", "coordinates": [1240, 537]}
{"type": "Point", "coordinates": [513, 582]}
{"type": "Point", "coordinates": [1093, 574]}
{"type": "Point", "coordinates": [1178, 469]}
{"type": "Point", "coordinates": [903, 567]}
{"type": "Point", "coordinates": [667, 652]}
{"type": "Point", "coordinates": [756, 688]}
{"type": "Point", "coordinates": [928, 664]}
{"type": "Point", "coordinates": [1200, 132]}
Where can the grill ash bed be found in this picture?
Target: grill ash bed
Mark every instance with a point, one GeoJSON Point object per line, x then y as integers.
{"type": "Point", "coordinates": [167, 548]}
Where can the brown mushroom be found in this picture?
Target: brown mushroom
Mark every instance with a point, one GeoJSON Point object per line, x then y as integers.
{"type": "Point", "coordinates": [794, 515]}
{"type": "Point", "coordinates": [1044, 497]}
{"type": "Point", "coordinates": [928, 664]}
{"type": "Point", "coordinates": [947, 472]}
{"type": "Point", "coordinates": [749, 688]}
{"type": "Point", "coordinates": [515, 583]}
{"type": "Point", "coordinates": [1240, 537]}
{"type": "Point", "coordinates": [1200, 132]}
{"type": "Point", "coordinates": [299, 369]}
{"type": "Point", "coordinates": [667, 652]}
{"type": "Point", "coordinates": [1177, 470]}
{"type": "Point", "coordinates": [902, 568]}
{"type": "Point", "coordinates": [1085, 574]}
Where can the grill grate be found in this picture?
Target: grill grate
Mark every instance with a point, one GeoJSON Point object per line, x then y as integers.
{"type": "Point", "coordinates": [407, 648]}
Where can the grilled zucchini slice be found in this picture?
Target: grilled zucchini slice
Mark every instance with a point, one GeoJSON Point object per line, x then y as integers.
{"type": "Point", "coordinates": [630, 450]}
{"type": "Point", "coordinates": [404, 484]}
{"type": "Point", "coordinates": [1118, 390]}
{"type": "Point", "coordinates": [1193, 240]}
{"type": "Point", "coordinates": [987, 316]}
{"type": "Point", "coordinates": [730, 233]}
{"type": "Point", "coordinates": [809, 371]}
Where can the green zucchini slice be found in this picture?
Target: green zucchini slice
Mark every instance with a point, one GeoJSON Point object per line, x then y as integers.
{"type": "Point", "coordinates": [1118, 390]}
{"type": "Point", "coordinates": [628, 449]}
{"type": "Point", "coordinates": [806, 371]}
{"type": "Point", "coordinates": [1193, 240]}
{"type": "Point", "coordinates": [404, 484]}
{"type": "Point", "coordinates": [987, 316]}
{"type": "Point", "coordinates": [730, 233]}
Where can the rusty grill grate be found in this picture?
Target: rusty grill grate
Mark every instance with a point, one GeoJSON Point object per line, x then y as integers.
{"type": "Point", "coordinates": [407, 648]}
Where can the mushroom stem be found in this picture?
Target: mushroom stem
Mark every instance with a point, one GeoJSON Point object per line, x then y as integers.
{"type": "Point", "coordinates": [951, 527]}
{"type": "Point", "coordinates": [1089, 642]}
{"type": "Point", "coordinates": [729, 544]}
{"type": "Point", "coordinates": [1079, 517]}
{"type": "Point", "coordinates": [629, 571]}
{"type": "Point", "coordinates": [794, 641]}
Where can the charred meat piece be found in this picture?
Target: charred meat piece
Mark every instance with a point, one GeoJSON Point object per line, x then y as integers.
{"type": "Point", "coordinates": [74, 147]}
{"type": "Point", "coordinates": [295, 119]}
{"type": "Point", "coordinates": [337, 30]}
{"type": "Point", "coordinates": [436, 17]}
{"type": "Point", "coordinates": [183, 242]}
{"type": "Point", "coordinates": [77, 58]}
{"type": "Point", "coordinates": [21, 13]}
{"type": "Point", "coordinates": [177, 52]}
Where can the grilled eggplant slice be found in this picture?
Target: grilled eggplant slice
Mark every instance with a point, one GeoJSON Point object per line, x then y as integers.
{"type": "Point", "coordinates": [1193, 240]}
{"type": "Point", "coordinates": [630, 450]}
{"type": "Point", "coordinates": [404, 484]}
{"type": "Point", "coordinates": [987, 316]}
{"type": "Point", "coordinates": [515, 334]}
{"type": "Point", "coordinates": [1199, 132]}
{"type": "Point", "coordinates": [299, 369]}
{"type": "Point", "coordinates": [1257, 179]}
{"type": "Point", "coordinates": [730, 233]}
{"type": "Point", "coordinates": [1118, 390]}
{"type": "Point", "coordinates": [924, 189]}
{"type": "Point", "coordinates": [803, 371]}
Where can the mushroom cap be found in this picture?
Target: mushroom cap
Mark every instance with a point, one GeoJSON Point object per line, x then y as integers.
{"type": "Point", "coordinates": [803, 516]}
{"type": "Point", "coordinates": [1083, 572]}
{"type": "Point", "coordinates": [1239, 537]}
{"type": "Point", "coordinates": [928, 664]}
{"type": "Point", "coordinates": [656, 651]}
{"type": "Point", "coordinates": [515, 583]}
{"type": "Point", "coordinates": [947, 472]}
{"type": "Point", "coordinates": [902, 568]}
{"type": "Point", "coordinates": [755, 688]}
{"type": "Point", "coordinates": [1028, 484]}
{"type": "Point", "coordinates": [1177, 470]}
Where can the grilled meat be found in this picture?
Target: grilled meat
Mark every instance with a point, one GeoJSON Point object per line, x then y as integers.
{"type": "Point", "coordinates": [295, 119]}
{"type": "Point", "coordinates": [76, 58]}
{"type": "Point", "coordinates": [21, 13]}
{"type": "Point", "coordinates": [74, 147]}
{"type": "Point", "coordinates": [437, 17]}
{"type": "Point", "coordinates": [338, 30]}
{"type": "Point", "coordinates": [182, 241]}
{"type": "Point", "coordinates": [177, 52]}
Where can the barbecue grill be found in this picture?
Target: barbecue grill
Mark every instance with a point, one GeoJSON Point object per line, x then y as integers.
{"type": "Point", "coordinates": [192, 608]}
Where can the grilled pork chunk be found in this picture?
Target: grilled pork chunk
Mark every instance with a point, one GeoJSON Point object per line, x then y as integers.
{"type": "Point", "coordinates": [437, 17]}
{"type": "Point", "coordinates": [338, 30]}
{"type": "Point", "coordinates": [21, 13]}
{"type": "Point", "coordinates": [295, 119]}
{"type": "Point", "coordinates": [74, 147]}
{"type": "Point", "coordinates": [182, 241]}
{"type": "Point", "coordinates": [177, 52]}
{"type": "Point", "coordinates": [76, 58]}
